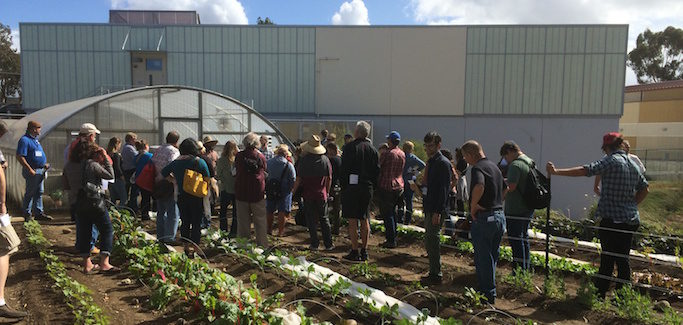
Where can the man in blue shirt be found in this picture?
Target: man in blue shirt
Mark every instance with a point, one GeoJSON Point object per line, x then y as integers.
{"type": "Point", "coordinates": [412, 167]}
{"type": "Point", "coordinates": [438, 176]}
{"type": "Point", "coordinates": [32, 158]}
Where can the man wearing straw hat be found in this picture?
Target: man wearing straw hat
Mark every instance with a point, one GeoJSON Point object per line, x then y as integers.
{"type": "Point", "coordinates": [314, 174]}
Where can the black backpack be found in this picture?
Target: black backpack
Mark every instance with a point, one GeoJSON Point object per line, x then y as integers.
{"type": "Point", "coordinates": [536, 193]}
{"type": "Point", "coordinates": [274, 186]}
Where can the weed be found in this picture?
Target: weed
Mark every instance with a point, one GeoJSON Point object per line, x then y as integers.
{"type": "Point", "coordinates": [587, 293]}
{"type": "Point", "coordinates": [474, 298]}
{"type": "Point", "coordinates": [632, 305]}
{"type": "Point", "coordinates": [365, 269]}
{"type": "Point", "coordinates": [553, 287]}
{"type": "Point", "coordinates": [520, 279]}
{"type": "Point", "coordinates": [672, 317]}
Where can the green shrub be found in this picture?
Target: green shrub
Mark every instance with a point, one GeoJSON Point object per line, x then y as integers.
{"type": "Point", "coordinates": [520, 279]}
{"type": "Point", "coordinates": [553, 287]}
{"type": "Point", "coordinates": [630, 304]}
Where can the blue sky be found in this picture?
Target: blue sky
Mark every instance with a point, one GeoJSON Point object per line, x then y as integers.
{"type": "Point", "coordinates": [639, 14]}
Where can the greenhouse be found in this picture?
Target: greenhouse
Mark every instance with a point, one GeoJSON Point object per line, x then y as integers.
{"type": "Point", "coordinates": [150, 112]}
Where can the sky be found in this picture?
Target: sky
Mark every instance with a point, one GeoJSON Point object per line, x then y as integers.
{"type": "Point", "coordinates": [639, 14]}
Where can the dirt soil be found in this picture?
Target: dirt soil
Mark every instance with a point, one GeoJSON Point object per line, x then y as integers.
{"type": "Point", "coordinates": [30, 287]}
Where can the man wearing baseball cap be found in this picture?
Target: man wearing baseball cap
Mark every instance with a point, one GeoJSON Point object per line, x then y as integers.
{"type": "Point", "coordinates": [390, 186]}
{"type": "Point", "coordinates": [32, 158]}
{"type": "Point", "coordinates": [623, 188]}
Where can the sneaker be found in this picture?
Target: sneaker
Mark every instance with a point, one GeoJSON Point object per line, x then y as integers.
{"type": "Point", "coordinates": [363, 254]}
{"type": "Point", "coordinates": [389, 244]}
{"type": "Point", "coordinates": [331, 248]}
{"type": "Point", "coordinates": [44, 217]}
{"type": "Point", "coordinates": [28, 218]}
{"type": "Point", "coordinates": [94, 250]}
{"type": "Point", "coordinates": [352, 256]}
{"type": "Point", "coordinates": [431, 280]}
{"type": "Point", "coordinates": [6, 311]}
{"type": "Point", "coordinates": [313, 248]}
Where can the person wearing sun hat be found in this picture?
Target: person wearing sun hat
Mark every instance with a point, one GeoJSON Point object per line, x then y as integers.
{"type": "Point", "coordinates": [211, 158]}
{"type": "Point", "coordinates": [314, 174]}
{"type": "Point", "coordinates": [623, 188]}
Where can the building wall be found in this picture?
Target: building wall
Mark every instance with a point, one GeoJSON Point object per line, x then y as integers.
{"type": "Point", "coordinates": [563, 70]}
{"type": "Point", "coordinates": [548, 70]}
{"type": "Point", "coordinates": [567, 141]}
{"type": "Point", "coordinates": [390, 70]}
{"type": "Point", "coordinates": [653, 119]}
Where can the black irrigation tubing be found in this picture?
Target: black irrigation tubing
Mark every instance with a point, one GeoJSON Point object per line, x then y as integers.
{"type": "Point", "coordinates": [429, 293]}
{"type": "Point", "coordinates": [492, 311]}
{"type": "Point", "coordinates": [328, 259]}
{"type": "Point", "coordinates": [552, 223]}
{"type": "Point", "coordinates": [637, 284]}
{"type": "Point", "coordinates": [643, 259]}
{"type": "Point", "coordinates": [316, 303]}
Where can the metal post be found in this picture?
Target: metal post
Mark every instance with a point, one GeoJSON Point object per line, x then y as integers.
{"type": "Point", "coordinates": [547, 233]}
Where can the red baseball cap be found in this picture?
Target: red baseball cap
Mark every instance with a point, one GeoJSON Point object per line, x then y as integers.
{"type": "Point", "coordinates": [609, 138]}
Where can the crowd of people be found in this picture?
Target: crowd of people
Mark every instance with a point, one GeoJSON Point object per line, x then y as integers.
{"type": "Point", "coordinates": [328, 183]}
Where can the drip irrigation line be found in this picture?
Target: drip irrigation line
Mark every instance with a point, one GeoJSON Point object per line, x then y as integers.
{"type": "Point", "coordinates": [316, 303]}
{"type": "Point", "coordinates": [428, 293]}
{"type": "Point", "coordinates": [492, 311]}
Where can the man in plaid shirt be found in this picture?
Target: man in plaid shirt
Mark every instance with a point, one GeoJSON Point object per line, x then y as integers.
{"type": "Point", "coordinates": [390, 185]}
{"type": "Point", "coordinates": [623, 188]}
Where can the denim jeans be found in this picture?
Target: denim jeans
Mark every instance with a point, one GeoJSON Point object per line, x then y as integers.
{"type": "Point", "coordinates": [191, 210]}
{"type": "Point", "coordinates": [433, 244]}
{"type": "Point", "coordinates": [226, 199]}
{"type": "Point", "coordinates": [95, 232]}
{"type": "Point", "coordinates": [388, 201]}
{"type": "Point", "coordinates": [103, 223]}
{"type": "Point", "coordinates": [316, 211]}
{"type": "Point", "coordinates": [518, 236]}
{"type": "Point", "coordinates": [487, 231]}
{"type": "Point", "coordinates": [33, 197]}
{"type": "Point", "coordinates": [167, 219]}
{"type": "Point", "coordinates": [408, 199]}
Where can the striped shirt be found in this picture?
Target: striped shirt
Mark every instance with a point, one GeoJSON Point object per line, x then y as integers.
{"type": "Point", "coordinates": [621, 179]}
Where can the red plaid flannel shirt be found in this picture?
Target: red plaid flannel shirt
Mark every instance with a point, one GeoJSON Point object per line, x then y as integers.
{"type": "Point", "coordinates": [391, 165]}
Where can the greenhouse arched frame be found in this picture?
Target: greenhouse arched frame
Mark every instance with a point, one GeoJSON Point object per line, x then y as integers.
{"type": "Point", "coordinates": [150, 112]}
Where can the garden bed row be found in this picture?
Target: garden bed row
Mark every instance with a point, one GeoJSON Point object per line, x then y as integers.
{"type": "Point", "coordinates": [77, 296]}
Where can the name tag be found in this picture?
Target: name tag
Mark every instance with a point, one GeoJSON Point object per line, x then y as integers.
{"type": "Point", "coordinates": [491, 219]}
{"type": "Point", "coordinates": [5, 220]}
{"type": "Point", "coordinates": [39, 153]}
{"type": "Point", "coordinates": [353, 179]}
{"type": "Point", "coordinates": [424, 190]}
{"type": "Point", "coordinates": [233, 171]}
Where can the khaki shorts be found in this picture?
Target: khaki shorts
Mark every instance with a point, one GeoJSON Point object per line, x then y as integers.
{"type": "Point", "coordinates": [9, 241]}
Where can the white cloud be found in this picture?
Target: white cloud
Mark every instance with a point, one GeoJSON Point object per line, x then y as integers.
{"type": "Point", "coordinates": [15, 39]}
{"type": "Point", "coordinates": [210, 11]}
{"type": "Point", "coordinates": [351, 13]}
{"type": "Point", "coordinates": [653, 14]}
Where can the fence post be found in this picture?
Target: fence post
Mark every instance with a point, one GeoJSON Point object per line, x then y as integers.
{"type": "Point", "coordinates": [547, 233]}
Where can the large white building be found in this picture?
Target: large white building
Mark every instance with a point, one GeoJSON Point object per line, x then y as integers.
{"type": "Point", "coordinates": [554, 89]}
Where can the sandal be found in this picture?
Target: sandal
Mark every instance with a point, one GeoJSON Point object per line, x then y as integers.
{"type": "Point", "coordinates": [95, 269]}
{"type": "Point", "coordinates": [112, 270]}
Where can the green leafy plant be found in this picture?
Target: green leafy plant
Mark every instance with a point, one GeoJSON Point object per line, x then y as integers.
{"type": "Point", "coordinates": [365, 269]}
{"type": "Point", "coordinates": [78, 297]}
{"type": "Point", "coordinates": [474, 298]}
{"type": "Point", "coordinates": [633, 306]}
{"type": "Point", "coordinates": [553, 286]}
{"type": "Point", "coordinates": [520, 279]}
